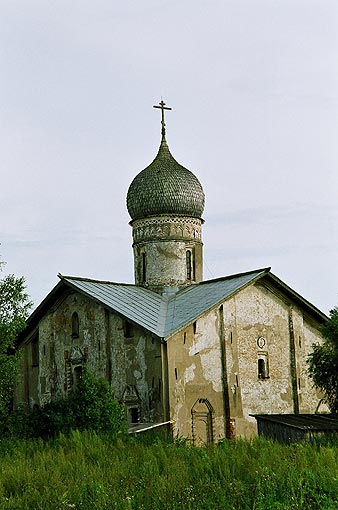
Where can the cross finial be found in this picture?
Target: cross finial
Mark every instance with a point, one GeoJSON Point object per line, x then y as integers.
{"type": "Point", "coordinates": [163, 107]}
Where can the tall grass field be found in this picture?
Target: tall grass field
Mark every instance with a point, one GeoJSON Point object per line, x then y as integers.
{"type": "Point", "coordinates": [92, 471]}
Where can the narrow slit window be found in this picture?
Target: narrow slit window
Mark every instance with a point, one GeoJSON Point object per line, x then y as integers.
{"type": "Point", "coordinates": [77, 376]}
{"type": "Point", "coordinates": [144, 268]}
{"type": "Point", "coordinates": [194, 327]}
{"type": "Point", "coordinates": [75, 325]}
{"type": "Point", "coordinates": [189, 265]}
{"type": "Point", "coordinates": [128, 329]}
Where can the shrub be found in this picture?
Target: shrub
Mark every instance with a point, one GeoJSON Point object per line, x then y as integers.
{"type": "Point", "coordinates": [90, 407]}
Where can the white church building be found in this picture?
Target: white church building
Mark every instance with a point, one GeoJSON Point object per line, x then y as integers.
{"type": "Point", "coordinates": [204, 355]}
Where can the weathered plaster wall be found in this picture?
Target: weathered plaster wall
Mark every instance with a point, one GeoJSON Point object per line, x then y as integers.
{"type": "Point", "coordinates": [211, 367]}
{"type": "Point", "coordinates": [306, 334]}
{"type": "Point", "coordinates": [194, 370]}
{"type": "Point", "coordinates": [229, 377]}
{"type": "Point", "coordinates": [127, 357]}
{"type": "Point", "coordinates": [27, 387]}
{"type": "Point", "coordinates": [160, 246]}
{"type": "Point", "coordinates": [257, 313]}
{"type": "Point", "coordinates": [260, 314]}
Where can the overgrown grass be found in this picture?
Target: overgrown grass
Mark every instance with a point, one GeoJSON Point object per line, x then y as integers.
{"type": "Point", "coordinates": [91, 471]}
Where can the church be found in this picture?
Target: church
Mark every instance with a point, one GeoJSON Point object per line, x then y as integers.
{"type": "Point", "coordinates": [203, 355]}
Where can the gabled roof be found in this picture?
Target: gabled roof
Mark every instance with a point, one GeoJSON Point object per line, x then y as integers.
{"type": "Point", "coordinates": [164, 315]}
{"type": "Point", "coordinates": [191, 302]}
{"type": "Point", "coordinates": [139, 305]}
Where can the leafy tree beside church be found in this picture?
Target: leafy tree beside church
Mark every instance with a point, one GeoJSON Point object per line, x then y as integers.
{"type": "Point", "coordinates": [14, 309]}
{"type": "Point", "coordinates": [323, 362]}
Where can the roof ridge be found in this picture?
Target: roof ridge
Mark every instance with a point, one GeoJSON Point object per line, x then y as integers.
{"type": "Point", "coordinates": [93, 280]}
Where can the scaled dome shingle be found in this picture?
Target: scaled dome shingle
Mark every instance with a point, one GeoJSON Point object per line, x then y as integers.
{"type": "Point", "coordinates": [165, 187]}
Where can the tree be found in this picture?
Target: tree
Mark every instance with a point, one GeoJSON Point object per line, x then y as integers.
{"type": "Point", "coordinates": [323, 362]}
{"type": "Point", "coordinates": [14, 309]}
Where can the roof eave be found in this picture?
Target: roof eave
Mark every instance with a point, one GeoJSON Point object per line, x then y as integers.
{"type": "Point", "coordinates": [312, 310]}
{"type": "Point", "coordinates": [41, 309]}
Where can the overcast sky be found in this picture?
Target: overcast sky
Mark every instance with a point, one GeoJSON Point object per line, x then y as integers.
{"type": "Point", "coordinates": [253, 85]}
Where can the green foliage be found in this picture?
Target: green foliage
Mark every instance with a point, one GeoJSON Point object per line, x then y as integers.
{"type": "Point", "coordinates": [89, 470]}
{"type": "Point", "coordinates": [94, 407]}
{"type": "Point", "coordinates": [323, 362]}
{"type": "Point", "coordinates": [14, 309]}
{"type": "Point", "coordinates": [90, 407]}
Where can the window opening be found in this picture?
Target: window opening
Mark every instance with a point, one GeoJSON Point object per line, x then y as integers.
{"type": "Point", "coordinates": [77, 376]}
{"type": "Point", "coordinates": [128, 329]}
{"type": "Point", "coordinates": [75, 325]}
{"type": "Point", "coordinates": [133, 415]}
{"type": "Point", "coordinates": [263, 366]}
{"type": "Point", "coordinates": [144, 268]}
{"type": "Point", "coordinates": [189, 265]}
{"type": "Point", "coordinates": [194, 327]}
{"type": "Point", "coordinates": [176, 374]}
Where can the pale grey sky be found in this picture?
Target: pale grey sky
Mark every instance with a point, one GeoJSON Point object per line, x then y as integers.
{"type": "Point", "coordinates": [254, 89]}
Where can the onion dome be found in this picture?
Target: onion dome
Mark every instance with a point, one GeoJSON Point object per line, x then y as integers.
{"type": "Point", "coordinates": [165, 187]}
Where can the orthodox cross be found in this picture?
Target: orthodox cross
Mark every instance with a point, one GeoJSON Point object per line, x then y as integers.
{"type": "Point", "coordinates": [163, 107]}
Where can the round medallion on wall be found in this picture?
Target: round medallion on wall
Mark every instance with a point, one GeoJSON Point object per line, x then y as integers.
{"type": "Point", "coordinates": [261, 342]}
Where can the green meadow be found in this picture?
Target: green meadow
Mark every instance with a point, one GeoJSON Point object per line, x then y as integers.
{"type": "Point", "coordinates": [87, 470]}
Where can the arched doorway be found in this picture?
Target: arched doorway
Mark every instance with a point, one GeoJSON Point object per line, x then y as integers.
{"type": "Point", "coordinates": [202, 422]}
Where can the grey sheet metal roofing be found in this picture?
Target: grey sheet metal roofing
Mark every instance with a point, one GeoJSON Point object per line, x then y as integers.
{"type": "Point", "coordinates": [319, 422]}
{"type": "Point", "coordinates": [162, 315]}
{"type": "Point", "coordinates": [165, 315]}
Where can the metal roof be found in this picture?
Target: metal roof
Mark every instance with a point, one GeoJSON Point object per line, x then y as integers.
{"type": "Point", "coordinates": [188, 304]}
{"type": "Point", "coordinates": [176, 309]}
{"type": "Point", "coordinates": [139, 305]}
{"type": "Point", "coordinates": [319, 422]}
{"type": "Point", "coordinates": [162, 315]}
